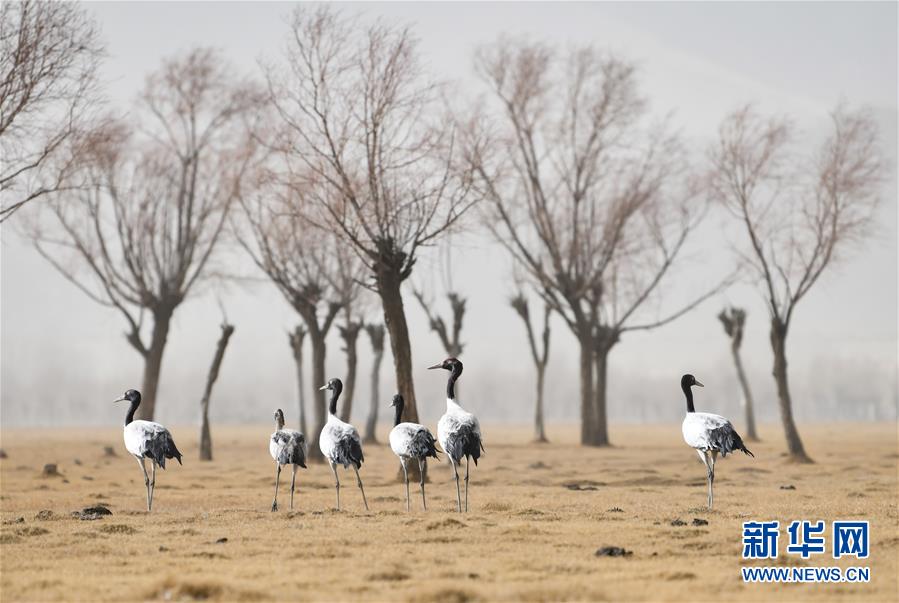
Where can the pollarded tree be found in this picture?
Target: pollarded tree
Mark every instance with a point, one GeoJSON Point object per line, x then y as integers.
{"type": "Point", "coordinates": [138, 231]}
{"type": "Point", "coordinates": [450, 338]}
{"type": "Point", "coordinates": [797, 214]}
{"type": "Point", "coordinates": [734, 320]}
{"type": "Point", "coordinates": [376, 336]}
{"type": "Point", "coordinates": [539, 354]}
{"type": "Point", "coordinates": [49, 56]}
{"type": "Point", "coordinates": [590, 200]}
{"type": "Point", "coordinates": [295, 338]}
{"type": "Point", "coordinates": [369, 138]}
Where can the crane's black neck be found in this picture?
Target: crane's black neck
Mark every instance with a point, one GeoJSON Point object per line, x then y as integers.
{"type": "Point", "coordinates": [130, 416]}
{"type": "Point", "coordinates": [688, 392]}
{"type": "Point", "coordinates": [335, 393]}
{"type": "Point", "coordinates": [451, 382]}
{"type": "Point", "coordinates": [398, 416]}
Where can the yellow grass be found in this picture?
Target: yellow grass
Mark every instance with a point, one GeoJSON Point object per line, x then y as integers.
{"type": "Point", "coordinates": [527, 537]}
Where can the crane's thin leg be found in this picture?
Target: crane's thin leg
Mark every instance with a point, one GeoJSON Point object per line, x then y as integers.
{"type": "Point", "coordinates": [708, 473]}
{"type": "Point", "coordinates": [143, 467]}
{"type": "Point", "coordinates": [458, 492]}
{"type": "Point", "coordinates": [336, 482]}
{"type": "Point", "coordinates": [406, 477]}
{"type": "Point", "coordinates": [277, 481]}
{"type": "Point", "coordinates": [421, 474]}
{"type": "Point", "coordinates": [293, 483]}
{"type": "Point", "coordinates": [467, 463]}
{"type": "Point", "coordinates": [361, 489]}
{"type": "Point", "coordinates": [714, 456]}
{"type": "Point", "coordinates": [152, 484]}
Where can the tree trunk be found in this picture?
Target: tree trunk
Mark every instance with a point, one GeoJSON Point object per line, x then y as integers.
{"type": "Point", "coordinates": [395, 320]}
{"type": "Point", "coordinates": [349, 334]}
{"type": "Point", "coordinates": [296, 345]}
{"type": "Point", "coordinates": [748, 406]}
{"type": "Point", "coordinates": [586, 378]}
{"type": "Point", "coordinates": [205, 435]}
{"type": "Point", "coordinates": [600, 432]}
{"type": "Point", "coordinates": [389, 283]}
{"type": "Point", "coordinates": [153, 364]}
{"type": "Point", "coordinates": [318, 397]}
{"type": "Point", "coordinates": [778, 344]}
{"type": "Point", "coordinates": [539, 428]}
{"type": "Point", "coordinates": [372, 421]}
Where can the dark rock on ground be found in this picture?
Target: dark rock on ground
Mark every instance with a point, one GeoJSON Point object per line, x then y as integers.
{"type": "Point", "coordinates": [613, 551]}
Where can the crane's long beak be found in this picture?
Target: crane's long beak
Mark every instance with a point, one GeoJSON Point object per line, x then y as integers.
{"type": "Point", "coordinates": [699, 384]}
{"type": "Point", "coordinates": [119, 399]}
{"type": "Point", "coordinates": [436, 366]}
{"type": "Point", "coordinates": [323, 387]}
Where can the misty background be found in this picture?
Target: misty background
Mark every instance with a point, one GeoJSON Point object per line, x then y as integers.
{"type": "Point", "coordinates": [64, 358]}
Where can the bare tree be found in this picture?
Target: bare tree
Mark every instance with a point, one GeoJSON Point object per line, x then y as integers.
{"type": "Point", "coordinates": [205, 433]}
{"type": "Point", "coordinates": [376, 336]}
{"type": "Point", "coordinates": [797, 215]}
{"type": "Point", "coordinates": [591, 201]}
{"type": "Point", "coordinates": [519, 303]}
{"type": "Point", "coordinates": [733, 320]}
{"type": "Point", "coordinates": [367, 137]}
{"type": "Point", "coordinates": [49, 56]}
{"type": "Point", "coordinates": [304, 263]}
{"type": "Point", "coordinates": [450, 338]}
{"type": "Point", "coordinates": [139, 231]}
{"type": "Point", "coordinates": [295, 338]}
{"type": "Point", "coordinates": [349, 333]}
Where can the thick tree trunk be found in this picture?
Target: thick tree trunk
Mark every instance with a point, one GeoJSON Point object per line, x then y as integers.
{"type": "Point", "coordinates": [389, 283]}
{"type": "Point", "coordinates": [296, 346]}
{"type": "Point", "coordinates": [539, 427]}
{"type": "Point", "coordinates": [318, 397]}
{"type": "Point", "coordinates": [395, 320]}
{"type": "Point", "coordinates": [349, 334]}
{"type": "Point", "coordinates": [778, 344]}
{"type": "Point", "coordinates": [372, 421]}
{"type": "Point", "coordinates": [600, 432]}
{"type": "Point", "coordinates": [153, 364]}
{"type": "Point", "coordinates": [585, 340]}
{"type": "Point", "coordinates": [748, 406]}
{"type": "Point", "coordinates": [205, 434]}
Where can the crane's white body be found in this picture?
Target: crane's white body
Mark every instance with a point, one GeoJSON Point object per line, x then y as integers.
{"type": "Point", "coordinates": [403, 439]}
{"type": "Point", "coordinates": [140, 436]}
{"type": "Point", "coordinates": [335, 436]}
{"type": "Point", "coordinates": [454, 422]}
{"type": "Point", "coordinates": [283, 443]}
{"type": "Point", "coordinates": [698, 426]}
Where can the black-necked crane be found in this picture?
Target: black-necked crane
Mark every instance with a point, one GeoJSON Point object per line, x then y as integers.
{"type": "Point", "coordinates": [147, 440]}
{"type": "Point", "coordinates": [411, 441]}
{"type": "Point", "coordinates": [287, 447]}
{"type": "Point", "coordinates": [340, 443]}
{"type": "Point", "coordinates": [458, 431]}
{"type": "Point", "coordinates": [708, 433]}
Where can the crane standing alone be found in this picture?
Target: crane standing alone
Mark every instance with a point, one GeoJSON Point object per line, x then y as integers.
{"type": "Point", "coordinates": [411, 441]}
{"type": "Point", "coordinates": [147, 440]}
{"type": "Point", "coordinates": [340, 443]}
{"type": "Point", "coordinates": [708, 433]}
{"type": "Point", "coordinates": [287, 447]}
{"type": "Point", "coordinates": [458, 430]}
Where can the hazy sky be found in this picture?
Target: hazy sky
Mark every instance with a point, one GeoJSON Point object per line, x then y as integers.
{"type": "Point", "coordinates": [64, 358]}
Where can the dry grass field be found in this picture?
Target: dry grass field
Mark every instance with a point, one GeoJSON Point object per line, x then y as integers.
{"type": "Point", "coordinates": [538, 514]}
